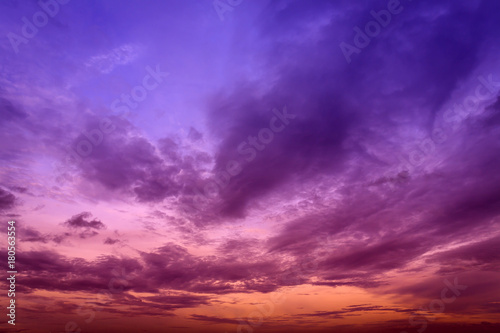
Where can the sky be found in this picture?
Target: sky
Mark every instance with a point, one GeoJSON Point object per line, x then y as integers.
{"type": "Point", "coordinates": [251, 166]}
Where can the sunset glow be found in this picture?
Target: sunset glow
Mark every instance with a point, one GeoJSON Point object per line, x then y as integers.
{"type": "Point", "coordinates": [251, 166]}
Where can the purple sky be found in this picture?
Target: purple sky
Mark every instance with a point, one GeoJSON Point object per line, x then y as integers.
{"type": "Point", "coordinates": [219, 155]}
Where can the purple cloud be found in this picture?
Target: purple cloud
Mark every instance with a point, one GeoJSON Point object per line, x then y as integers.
{"type": "Point", "coordinates": [82, 220]}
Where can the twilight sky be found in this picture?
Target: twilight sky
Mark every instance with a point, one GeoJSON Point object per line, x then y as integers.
{"type": "Point", "coordinates": [252, 166]}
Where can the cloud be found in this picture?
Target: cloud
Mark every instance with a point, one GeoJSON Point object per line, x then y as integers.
{"type": "Point", "coordinates": [179, 301]}
{"type": "Point", "coordinates": [169, 267]}
{"type": "Point", "coordinates": [340, 314]}
{"type": "Point", "coordinates": [7, 200]}
{"type": "Point", "coordinates": [121, 55]}
{"type": "Point", "coordinates": [111, 241]}
{"type": "Point", "coordinates": [9, 112]}
{"type": "Point", "coordinates": [341, 111]}
{"type": "Point", "coordinates": [215, 320]}
{"type": "Point", "coordinates": [130, 164]}
{"type": "Point", "coordinates": [82, 220]}
{"type": "Point", "coordinates": [330, 200]}
{"type": "Point", "coordinates": [19, 189]}
{"type": "Point", "coordinates": [483, 254]}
